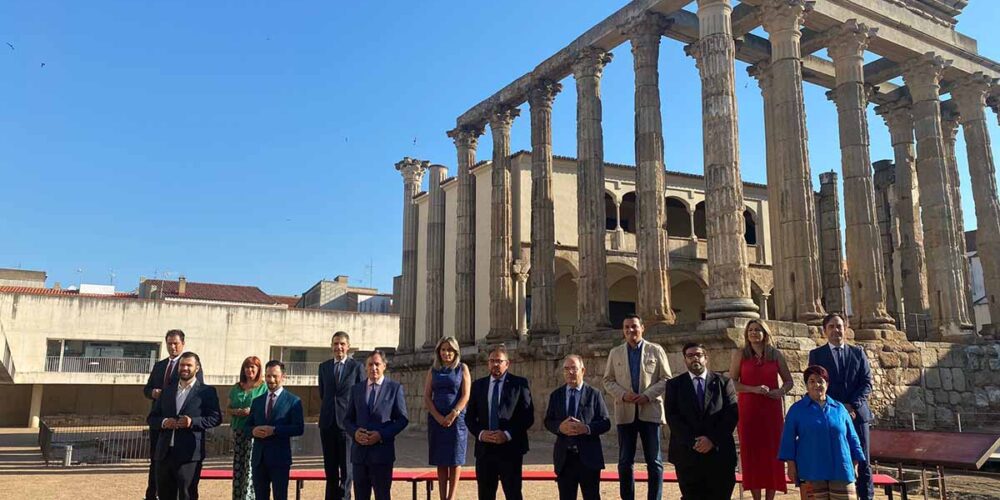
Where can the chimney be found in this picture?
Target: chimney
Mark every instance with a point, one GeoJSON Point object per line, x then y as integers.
{"type": "Point", "coordinates": [341, 279]}
{"type": "Point", "coordinates": [181, 285]}
{"type": "Point", "coordinates": [57, 286]}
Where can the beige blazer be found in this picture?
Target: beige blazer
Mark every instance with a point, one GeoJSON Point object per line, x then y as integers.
{"type": "Point", "coordinates": [652, 382]}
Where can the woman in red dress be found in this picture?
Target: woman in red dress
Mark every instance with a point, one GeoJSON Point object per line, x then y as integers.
{"type": "Point", "coordinates": [755, 370]}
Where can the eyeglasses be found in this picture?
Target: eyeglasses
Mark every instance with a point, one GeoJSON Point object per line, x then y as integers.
{"type": "Point", "coordinates": [695, 355]}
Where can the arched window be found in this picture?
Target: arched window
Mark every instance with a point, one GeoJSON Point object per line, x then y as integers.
{"type": "Point", "coordinates": [610, 213]}
{"type": "Point", "coordinates": [678, 218]}
{"type": "Point", "coordinates": [627, 211]}
{"type": "Point", "coordinates": [750, 227]}
{"type": "Point", "coordinates": [699, 221]}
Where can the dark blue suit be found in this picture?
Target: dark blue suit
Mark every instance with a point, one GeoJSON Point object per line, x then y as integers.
{"type": "Point", "coordinates": [179, 452]}
{"type": "Point", "coordinates": [851, 384]}
{"type": "Point", "coordinates": [373, 464]}
{"type": "Point", "coordinates": [501, 463]}
{"type": "Point", "coordinates": [335, 394]}
{"type": "Point", "coordinates": [157, 380]}
{"type": "Point", "coordinates": [272, 456]}
{"type": "Point", "coordinates": [578, 459]}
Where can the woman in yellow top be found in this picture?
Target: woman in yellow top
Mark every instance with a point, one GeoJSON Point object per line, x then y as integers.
{"type": "Point", "coordinates": [250, 386]}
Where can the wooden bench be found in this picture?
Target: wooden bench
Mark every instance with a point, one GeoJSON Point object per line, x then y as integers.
{"type": "Point", "coordinates": [300, 476]}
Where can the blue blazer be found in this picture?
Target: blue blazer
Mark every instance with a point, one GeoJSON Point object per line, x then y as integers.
{"type": "Point", "coordinates": [388, 418]}
{"type": "Point", "coordinates": [852, 384]}
{"type": "Point", "coordinates": [202, 405]}
{"type": "Point", "coordinates": [592, 412]}
{"type": "Point", "coordinates": [287, 419]}
{"type": "Point", "coordinates": [336, 394]}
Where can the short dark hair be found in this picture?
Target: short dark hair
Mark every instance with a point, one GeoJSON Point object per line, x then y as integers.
{"type": "Point", "coordinates": [829, 317]}
{"type": "Point", "coordinates": [189, 354]}
{"type": "Point", "coordinates": [631, 316]}
{"type": "Point", "coordinates": [499, 348]}
{"type": "Point", "coordinates": [174, 333]}
{"type": "Point", "coordinates": [380, 353]}
{"type": "Point", "coordinates": [340, 334]}
{"type": "Point", "coordinates": [273, 363]}
{"type": "Point", "coordinates": [815, 370]}
{"type": "Point", "coordinates": [692, 345]}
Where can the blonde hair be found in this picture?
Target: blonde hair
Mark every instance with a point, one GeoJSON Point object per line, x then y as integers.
{"type": "Point", "coordinates": [451, 342]}
{"type": "Point", "coordinates": [770, 352]}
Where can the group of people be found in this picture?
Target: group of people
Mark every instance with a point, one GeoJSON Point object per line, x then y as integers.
{"type": "Point", "coordinates": [823, 439]}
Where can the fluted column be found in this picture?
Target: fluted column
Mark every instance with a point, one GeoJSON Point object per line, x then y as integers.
{"type": "Point", "coordinates": [970, 96]}
{"type": "Point", "coordinates": [434, 245]}
{"type": "Point", "coordinates": [864, 255]}
{"type": "Point", "coordinates": [831, 250]}
{"type": "Point", "coordinates": [502, 321]}
{"type": "Point", "coordinates": [543, 229]}
{"type": "Point", "coordinates": [949, 132]}
{"type": "Point", "coordinates": [790, 195]}
{"type": "Point", "coordinates": [945, 292]}
{"type": "Point", "coordinates": [885, 180]}
{"type": "Point", "coordinates": [466, 139]}
{"type": "Point", "coordinates": [912, 262]}
{"type": "Point", "coordinates": [728, 276]}
{"type": "Point", "coordinates": [412, 171]}
{"type": "Point", "coordinates": [592, 285]}
{"type": "Point", "coordinates": [653, 304]}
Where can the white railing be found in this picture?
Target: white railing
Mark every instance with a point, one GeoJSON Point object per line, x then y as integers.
{"type": "Point", "coordinates": [88, 364]}
{"type": "Point", "coordinates": [300, 368]}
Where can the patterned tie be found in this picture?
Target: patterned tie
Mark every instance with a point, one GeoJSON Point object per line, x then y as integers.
{"type": "Point", "coordinates": [371, 397]}
{"type": "Point", "coordinates": [701, 392]}
{"type": "Point", "coordinates": [168, 373]}
{"type": "Point", "coordinates": [270, 406]}
{"type": "Point", "coordinates": [495, 406]}
{"type": "Point", "coordinates": [572, 410]}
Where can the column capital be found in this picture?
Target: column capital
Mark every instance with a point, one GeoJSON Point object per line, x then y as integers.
{"type": "Point", "coordinates": [898, 116]}
{"type": "Point", "coordinates": [950, 119]}
{"type": "Point", "coordinates": [645, 29]}
{"type": "Point", "coordinates": [502, 118]}
{"type": "Point", "coordinates": [885, 173]}
{"type": "Point", "coordinates": [784, 16]}
{"type": "Point", "coordinates": [828, 177]}
{"type": "Point", "coordinates": [543, 94]}
{"type": "Point", "coordinates": [590, 62]}
{"type": "Point", "coordinates": [466, 136]}
{"type": "Point", "coordinates": [412, 169]}
{"type": "Point", "coordinates": [970, 92]}
{"type": "Point", "coordinates": [849, 41]}
{"type": "Point", "coordinates": [922, 74]}
{"type": "Point", "coordinates": [993, 101]}
{"type": "Point", "coordinates": [762, 72]}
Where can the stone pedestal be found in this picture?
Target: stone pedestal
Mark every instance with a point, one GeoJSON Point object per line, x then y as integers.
{"type": "Point", "coordinates": [466, 139]}
{"type": "Point", "coordinates": [412, 171]}
{"type": "Point", "coordinates": [543, 229]}
{"type": "Point", "coordinates": [502, 323]}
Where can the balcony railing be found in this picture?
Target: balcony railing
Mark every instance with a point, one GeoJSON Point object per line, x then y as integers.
{"type": "Point", "coordinates": [301, 368]}
{"type": "Point", "coordinates": [88, 364]}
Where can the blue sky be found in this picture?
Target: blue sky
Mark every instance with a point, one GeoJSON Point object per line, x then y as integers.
{"type": "Point", "coordinates": [254, 142]}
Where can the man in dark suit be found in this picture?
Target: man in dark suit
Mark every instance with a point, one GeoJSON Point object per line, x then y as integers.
{"type": "Point", "coordinates": [336, 377]}
{"type": "Point", "coordinates": [164, 374]}
{"type": "Point", "coordinates": [577, 416]}
{"type": "Point", "coordinates": [275, 417]}
{"type": "Point", "coordinates": [375, 415]}
{"type": "Point", "coordinates": [850, 384]}
{"type": "Point", "coordinates": [702, 414]}
{"type": "Point", "coordinates": [498, 415]}
{"type": "Point", "coordinates": [182, 414]}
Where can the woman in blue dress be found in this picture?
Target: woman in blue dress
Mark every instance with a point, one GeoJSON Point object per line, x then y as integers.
{"type": "Point", "coordinates": [446, 392]}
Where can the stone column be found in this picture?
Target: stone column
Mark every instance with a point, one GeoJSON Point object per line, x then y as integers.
{"type": "Point", "coordinates": [35, 408]}
{"type": "Point", "coordinates": [412, 171]}
{"type": "Point", "coordinates": [653, 304]}
{"type": "Point", "coordinates": [502, 323]}
{"type": "Point", "coordinates": [434, 319]}
{"type": "Point", "coordinates": [945, 292]}
{"type": "Point", "coordinates": [864, 255]}
{"type": "Point", "coordinates": [970, 96]}
{"type": "Point", "coordinates": [521, 271]}
{"type": "Point", "coordinates": [728, 276]}
{"type": "Point", "coordinates": [912, 263]}
{"type": "Point", "coordinates": [885, 179]}
{"type": "Point", "coordinates": [592, 285]}
{"type": "Point", "coordinates": [949, 131]}
{"type": "Point", "coordinates": [790, 195]}
{"type": "Point", "coordinates": [466, 139]}
{"type": "Point", "coordinates": [543, 227]}
{"type": "Point", "coordinates": [831, 252]}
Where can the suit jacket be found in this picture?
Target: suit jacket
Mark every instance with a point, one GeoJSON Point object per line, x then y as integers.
{"type": "Point", "coordinates": [853, 383]}
{"type": "Point", "coordinates": [517, 415]}
{"type": "Point", "coordinates": [653, 376]}
{"type": "Point", "coordinates": [155, 380]}
{"type": "Point", "coordinates": [202, 405]}
{"type": "Point", "coordinates": [336, 394]}
{"type": "Point", "coordinates": [388, 418]}
{"type": "Point", "coordinates": [592, 412]}
{"type": "Point", "coordinates": [688, 421]}
{"type": "Point", "coordinates": [287, 419]}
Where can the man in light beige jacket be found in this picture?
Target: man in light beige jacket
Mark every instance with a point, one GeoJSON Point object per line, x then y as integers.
{"type": "Point", "coordinates": [636, 377]}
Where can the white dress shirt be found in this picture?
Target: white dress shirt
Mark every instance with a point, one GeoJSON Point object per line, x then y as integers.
{"type": "Point", "coordinates": [182, 395]}
{"type": "Point", "coordinates": [374, 386]}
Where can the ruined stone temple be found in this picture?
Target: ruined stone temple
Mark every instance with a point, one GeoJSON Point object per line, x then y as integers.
{"type": "Point", "coordinates": [547, 253]}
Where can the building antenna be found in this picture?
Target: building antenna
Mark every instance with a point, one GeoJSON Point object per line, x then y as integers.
{"type": "Point", "coordinates": [79, 276]}
{"type": "Point", "coordinates": [370, 269]}
{"type": "Point", "coordinates": [111, 273]}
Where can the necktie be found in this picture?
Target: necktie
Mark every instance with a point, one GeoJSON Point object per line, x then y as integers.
{"type": "Point", "coordinates": [701, 392]}
{"type": "Point", "coordinates": [168, 373]}
{"type": "Point", "coordinates": [337, 371]}
{"type": "Point", "coordinates": [838, 359]}
{"type": "Point", "coordinates": [270, 405]}
{"type": "Point", "coordinates": [495, 406]}
{"type": "Point", "coordinates": [371, 397]}
{"type": "Point", "coordinates": [572, 410]}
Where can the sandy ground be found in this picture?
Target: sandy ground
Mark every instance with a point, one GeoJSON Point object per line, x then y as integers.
{"type": "Point", "coordinates": [23, 475]}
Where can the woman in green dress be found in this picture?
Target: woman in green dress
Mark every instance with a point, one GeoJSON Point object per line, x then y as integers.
{"type": "Point", "coordinates": [250, 386]}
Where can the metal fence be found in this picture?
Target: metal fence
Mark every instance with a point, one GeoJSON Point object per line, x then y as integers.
{"type": "Point", "coordinates": [946, 421]}
{"type": "Point", "coordinates": [87, 364]}
{"type": "Point", "coordinates": [301, 368]}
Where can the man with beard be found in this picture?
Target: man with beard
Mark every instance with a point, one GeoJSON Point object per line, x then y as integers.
{"type": "Point", "coordinates": [275, 417]}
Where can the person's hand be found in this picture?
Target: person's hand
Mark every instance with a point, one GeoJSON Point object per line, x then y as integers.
{"type": "Point", "coordinates": [851, 411]}
{"type": "Point", "coordinates": [500, 437]}
{"type": "Point", "coordinates": [703, 445]}
{"type": "Point", "coordinates": [168, 423]}
{"type": "Point", "coordinates": [263, 431]}
{"type": "Point", "coordinates": [763, 390]}
{"type": "Point", "coordinates": [568, 428]}
{"type": "Point", "coordinates": [642, 399]}
{"type": "Point", "coordinates": [374, 437]}
{"type": "Point", "coordinates": [183, 422]}
{"type": "Point", "coordinates": [776, 394]}
{"type": "Point", "coordinates": [156, 393]}
{"type": "Point", "coordinates": [361, 436]}
{"type": "Point", "coordinates": [439, 419]}
{"type": "Point", "coordinates": [245, 412]}
{"type": "Point", "coordinates": [450, 418]}
{"type": "Point", "coordinates": [630, 397]}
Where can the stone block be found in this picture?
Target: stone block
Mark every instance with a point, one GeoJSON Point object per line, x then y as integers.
{"type": "Point", "coordinates": [910, 376]}
{"type": "Point", "coordinates": [968, 400]}
{"type": "Point", "coordinates": [954, 398]}
{"type": "Point", "coordinates": [958, 379]}
{"type": "Point", "coordinates": [928, 357]}
{"type": "Point", "coordinates": [946, 379]}
{"type": "Point", "coordinates": [932, 378]}
{"type": "Point", "coordinates": [982, 398]}
{"type": "Point", "coordinates": [888, 359]}
{"type": "Point", "coordinates": [941, 396]}
{"type": "Point", "coordinates": [916, 360]}
{"type": "Point", "coordinates": [943, 416]}
{"type": "Point", "coordinates": [929, 396]}
{"type": "Point", "coordinates": [993, 392]}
